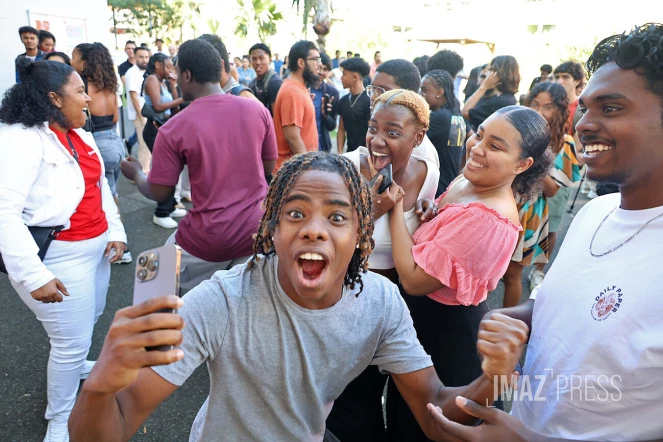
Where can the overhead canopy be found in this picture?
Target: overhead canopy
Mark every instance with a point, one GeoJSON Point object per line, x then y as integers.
{"type": "Point", "coordinates": [462, 41]}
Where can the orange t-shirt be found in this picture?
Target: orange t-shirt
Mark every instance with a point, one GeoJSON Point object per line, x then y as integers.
{"type": "Point", "coordinates": [294, 106]}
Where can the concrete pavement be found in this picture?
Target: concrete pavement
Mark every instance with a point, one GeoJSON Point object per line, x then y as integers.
{"type": "Point", "coordinates": [24, 346]}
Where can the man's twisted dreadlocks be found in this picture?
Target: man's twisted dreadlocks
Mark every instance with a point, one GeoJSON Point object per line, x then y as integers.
{"type": "Point", "coordinates": [361, 202]}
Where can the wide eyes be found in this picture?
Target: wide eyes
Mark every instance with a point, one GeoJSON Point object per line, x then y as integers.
{"type": "Point", "coordinates": [335, 218]}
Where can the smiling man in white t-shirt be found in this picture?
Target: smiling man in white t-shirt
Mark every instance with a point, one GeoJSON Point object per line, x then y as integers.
{"type": "Point", "coordinates": [594, 366]}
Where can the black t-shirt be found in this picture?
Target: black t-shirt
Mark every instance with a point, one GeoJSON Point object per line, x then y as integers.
{"type": "Point", "coordinates": [447, 132]}
{"type": "Point", "coordinates": [355, 111]}
{"type": "Point", "coordinates": [487, 106]}
{"type": "Point", "coordinates": [124, 67]}
{"type": "Point", "coordinates": [258, 88]}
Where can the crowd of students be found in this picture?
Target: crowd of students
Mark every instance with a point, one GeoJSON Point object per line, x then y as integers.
{"type": "Point", "coordinates": [310, 290]}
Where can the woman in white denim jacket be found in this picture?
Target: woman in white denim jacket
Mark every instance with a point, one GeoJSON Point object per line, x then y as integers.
{"type": "Point", "coordinates": [43, 183]}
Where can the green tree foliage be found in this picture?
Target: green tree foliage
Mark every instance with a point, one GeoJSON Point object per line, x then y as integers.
{"type": "Point", "coordinates": [156, 18]}
{"type": "Point", "coordinates": [257, 17]}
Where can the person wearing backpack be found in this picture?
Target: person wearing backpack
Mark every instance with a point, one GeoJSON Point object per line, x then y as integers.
{"type": "Point", "coordinates": [267, 83]}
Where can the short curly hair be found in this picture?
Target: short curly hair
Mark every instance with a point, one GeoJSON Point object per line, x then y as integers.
{"type": "Point", "coordinates": [409, 99]}
{"type": "Point", "coordinates": [446, 60]}
{"type": "Point", "coordinates": [534, 142]}
{"type": "Point", "coordinates": [360, 194]}
{"type": "Point", "coordinates": [640, 50]}
{"type": "Point", "coordinates": [28, 102]}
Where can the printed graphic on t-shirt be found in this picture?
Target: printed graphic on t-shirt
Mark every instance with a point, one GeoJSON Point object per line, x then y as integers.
{"type": "Point", "coordinates": [457, 131]}
{"type": "Point", "coordinates": [607, 303]}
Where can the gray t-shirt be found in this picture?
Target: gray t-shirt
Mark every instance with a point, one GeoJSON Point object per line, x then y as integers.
{"type": "Point", "coordinates": [275, 367]}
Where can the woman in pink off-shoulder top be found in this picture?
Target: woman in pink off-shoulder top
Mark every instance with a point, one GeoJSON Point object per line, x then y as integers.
{"type": "Point", "coordinates": [451, 262]}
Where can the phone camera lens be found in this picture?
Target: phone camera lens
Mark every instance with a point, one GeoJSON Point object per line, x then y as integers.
{"type": "Point", "coordinates": [142, 260]}
{"type": "Point", "coordinates": [142, 274]}
{"type": "Point", "coordinates": [151, 265]}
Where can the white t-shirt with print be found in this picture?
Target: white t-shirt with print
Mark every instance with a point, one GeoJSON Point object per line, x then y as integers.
{"type": "Point", "coordinates": [595, 355]}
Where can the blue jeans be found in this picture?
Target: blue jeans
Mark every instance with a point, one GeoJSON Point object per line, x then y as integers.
{"type": "Point", "coordinates": [112, 151]}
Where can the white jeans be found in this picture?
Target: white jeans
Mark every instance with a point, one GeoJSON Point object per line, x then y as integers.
{"type": "Point", "coordinates": [85, 273]}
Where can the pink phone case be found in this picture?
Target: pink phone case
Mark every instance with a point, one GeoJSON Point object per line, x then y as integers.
{"type": "Point", "coordinates": [157, 274]}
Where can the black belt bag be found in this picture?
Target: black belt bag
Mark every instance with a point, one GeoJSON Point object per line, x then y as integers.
{"type": "Point", "coordinates": [43, 236]}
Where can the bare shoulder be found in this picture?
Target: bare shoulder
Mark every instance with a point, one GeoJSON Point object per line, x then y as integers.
{"type": "Point", "coordinates": [506, 207]}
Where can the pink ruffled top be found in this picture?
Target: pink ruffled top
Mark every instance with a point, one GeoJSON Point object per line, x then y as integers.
{"type": "Point", "coordinates": [467, 247]}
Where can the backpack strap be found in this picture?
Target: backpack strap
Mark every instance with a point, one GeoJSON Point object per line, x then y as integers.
{"type": "Point", "coordinates": [238, 89]}
{"type": "Point", "coordinates": [268, 77]}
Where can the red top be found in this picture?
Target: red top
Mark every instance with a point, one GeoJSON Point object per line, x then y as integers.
{"type": "Point", "coordinates": [572, 111]}
{"type": "Point", "coordinates": [89, 219]}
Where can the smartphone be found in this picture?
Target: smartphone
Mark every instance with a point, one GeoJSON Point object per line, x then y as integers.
{"type": "Point", "coordinates": [386, 172]}
{"type": "Point", "coordinates": [158, 274]}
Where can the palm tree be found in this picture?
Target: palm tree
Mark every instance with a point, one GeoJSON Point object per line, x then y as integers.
{"type": "Point", "coordinates": [321, 18]}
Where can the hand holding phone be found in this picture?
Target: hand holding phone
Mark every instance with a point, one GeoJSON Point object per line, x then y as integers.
{"type": "Point", "coordinates": [134, 328]}
{"type": "Point", "coordinates": [157, 274]}
{"type": "Point", "coordinates": [387, 178]}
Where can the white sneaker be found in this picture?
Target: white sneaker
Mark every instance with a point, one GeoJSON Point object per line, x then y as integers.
{"type": "Point", "coordinates": [592, 194]}
{"type": "Point", "coordinates": [166, 223]}
{"type": "Point", "coordinates": [87, 368]}
{"type": "Point", "coordinates": [536, 278]}
{"type": "Point", "coordinates": [126, 258]}
{"type": "Point", "coordinates": [178, 213]}
{"type": "Point", "coordinates": [57, 430]}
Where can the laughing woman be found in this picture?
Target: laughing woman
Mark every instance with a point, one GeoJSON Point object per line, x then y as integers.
{"type": "Point", "coordinates": [398, 125]}
{"type": "Point", "coordinates": [52, 174]}
{"type": "Point", "coordinates": [451, 263]}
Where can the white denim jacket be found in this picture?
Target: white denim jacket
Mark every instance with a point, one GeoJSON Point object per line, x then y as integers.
{"type": "Point", "coordinates": [41, 185]}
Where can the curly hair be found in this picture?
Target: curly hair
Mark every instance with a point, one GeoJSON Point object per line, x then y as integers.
{"type": "Point", "coordinates": [99, 69]}
{"type": "Point", "coordinates": [409, 99]}
{"type": "Point", "coordinates": [534, 141]}
{"type": "Point", "coordinates": [559, 122]}
{"type": "Point", "coordinates": [640, 50]}
{"type": "Point", "coordinates": [446, 60]}
{"type": "Point", "coordinates": [508, 71]}
{"type": "Point", "coordinates": [281, 186]}
{"type": "Point", "coordinates": [443, 80]}
{"type": "Point", "coordinates": [28, 102]}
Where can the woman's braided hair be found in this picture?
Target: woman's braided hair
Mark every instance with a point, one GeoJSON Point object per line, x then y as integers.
{"type": "Point", "coordinates": [281, 186]}
{"type": "Point", "coordinates": [411, 100]}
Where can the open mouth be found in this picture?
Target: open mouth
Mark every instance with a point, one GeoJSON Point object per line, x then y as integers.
{"type": "Point", "coordinates": [312, 267]}
{"type": "Point", "coordinates": [380, 159]}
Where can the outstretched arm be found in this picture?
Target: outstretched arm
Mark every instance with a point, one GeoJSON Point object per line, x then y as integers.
{"type": "Point", "coordinates": [501, 341]}
{"type": "Point", "coordinates": [121, 391]}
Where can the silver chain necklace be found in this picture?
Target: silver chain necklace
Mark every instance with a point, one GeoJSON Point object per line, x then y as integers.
{"type": "Point", "coordinates": [356, 99]}
{"type": "Point", "coordinates": [615, 248]}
